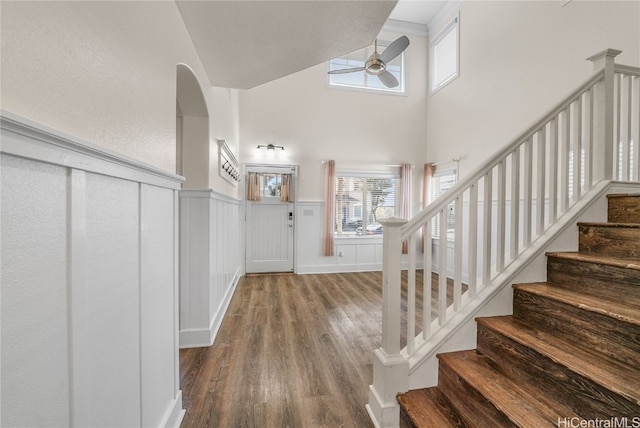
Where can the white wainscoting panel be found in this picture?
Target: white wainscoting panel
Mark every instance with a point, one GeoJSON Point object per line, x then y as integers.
{"type": "Point", "coordinates": [351, 254]}
{"type": "Point", "coordinates": [89, 284]}
{"type": "Point", "coordinates": [210, 262]}
{"type": "Point", "coordinates": [35, 296]}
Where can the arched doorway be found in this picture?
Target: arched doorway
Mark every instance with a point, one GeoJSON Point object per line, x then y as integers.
{"type": "Point", "coordinates": [192, 130]}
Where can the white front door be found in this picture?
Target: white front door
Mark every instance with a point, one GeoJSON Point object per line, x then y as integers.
{"type": "Point", "coordinates": [270, 233]}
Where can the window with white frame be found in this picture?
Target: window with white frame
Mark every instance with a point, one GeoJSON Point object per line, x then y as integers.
{"type": "Point", "coordinates": [270, 185]}
{"type": "Point", "coordinates": [361, 79]}
{"type": "Point", "coordinates": [443, 179]}
{"type": "Point", "coordinates": [444, 53]}
{"type": "Point", "coordinates": [362, 200]}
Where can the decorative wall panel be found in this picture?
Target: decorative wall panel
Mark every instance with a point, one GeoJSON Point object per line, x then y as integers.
{"type": "Point", "coordinates": [89, 284]}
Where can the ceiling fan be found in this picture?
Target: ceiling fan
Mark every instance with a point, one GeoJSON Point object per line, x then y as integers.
{"type": "Point", "coordinates": [377, 63]}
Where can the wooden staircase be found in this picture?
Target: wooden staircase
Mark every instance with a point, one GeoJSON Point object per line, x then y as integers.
{"type": "Point", "coordinates": [569, 354]}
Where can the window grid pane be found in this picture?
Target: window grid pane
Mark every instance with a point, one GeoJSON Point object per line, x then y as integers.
{"type": "Point", "coordinates": [270, 185]}
{"type": "Point", "coordinates": [361, 202]}
{"type": "Point", "coordinates": [440, 184]}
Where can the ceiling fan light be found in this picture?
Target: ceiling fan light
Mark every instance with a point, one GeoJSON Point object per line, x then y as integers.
{"type": "Point", "coordinates": [375, 66]}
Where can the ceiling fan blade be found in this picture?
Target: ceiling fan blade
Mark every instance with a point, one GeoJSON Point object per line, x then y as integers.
{"type": "Point", "coordinates": [394, 49]}
{"type": "Point", "coordinates": [347, 70]}
{"type": "Point", "coordinates": [388, 79]}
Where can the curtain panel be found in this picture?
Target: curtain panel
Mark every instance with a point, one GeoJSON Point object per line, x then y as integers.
{"type": "Point", "coordinates": [329, 208]}
{"type": "Point", "coordinates": [253, 186]}
{"type": "Point", "coordinates": [286, 191]}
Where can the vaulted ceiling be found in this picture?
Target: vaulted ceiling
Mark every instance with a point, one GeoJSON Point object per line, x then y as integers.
{"type": "Point", "coordinates": [243, 44]}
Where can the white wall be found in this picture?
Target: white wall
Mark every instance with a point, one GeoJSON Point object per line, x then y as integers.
{"type": "Point", "coordinates": [105, 72]}
{"type": "Point", "coordinates": [224, 116]}
{"type": "Point", "coordinates": [89, 285]}
{"type": "Point", "coordinates": [316, 123]}
{"type": "Point", "coordinates": [517, 60]}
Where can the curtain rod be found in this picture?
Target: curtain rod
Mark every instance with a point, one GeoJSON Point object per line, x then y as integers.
{"type": "Point", "coordinates": [456, 160]}
{"type": "Point", "coordinates": [367, 165]}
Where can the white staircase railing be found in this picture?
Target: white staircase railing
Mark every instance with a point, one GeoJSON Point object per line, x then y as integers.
{"type": "Point", "coordinates": [497, 213]}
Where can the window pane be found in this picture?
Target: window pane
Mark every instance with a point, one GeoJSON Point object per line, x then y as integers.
{"type": "Point", "coordinates": [444, 56]}
{"type": "Point", "coordinates": [270, 185]}
{"type": "Point", "coordinates": [361, 202]}
{"type": "Point", "coordinates": [440, 183]}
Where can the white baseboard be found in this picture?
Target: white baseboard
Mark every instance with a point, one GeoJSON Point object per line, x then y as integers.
{"type": "Point", "coordinates": [333, 268]}
{"type": "Point", "coordinates": [198, 338]}
{"type": "Point", "coordinates": [175, 414]}
{"type": "Point", "coordinates": [217, 320]}
{"type": "Point", "coordinates": [195, 338]}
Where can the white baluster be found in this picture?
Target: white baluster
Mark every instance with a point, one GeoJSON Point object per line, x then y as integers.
{"type": "Point", "coordinates": [565, 148]}
{"type": "Point", "coordinates": [515, 203]}
{"type": "Point", "coordinates": [629, 132]}
{"type": "Point", "coordinates": [473, 239]}
{"type": "Point", "coordinates": [426, 281]}
{"type": "Point", "coordinates": [457, 258]}
{"type": "Point", "coordinates": [636, 127]}
{"type": "Point", "coordinates": [500, 208]}
{"type": "Point", "coordinates": [528, 193]}
{"type": "Point", "coordinates": [411, 296]}
{"type": "Point", "coordinates": [442, 269]}
{"type": "Point", "coordinates": [577, 149]}
{"type": "Point", "coordinates": [588, 141]}
{"type": "Point", "coordinates": [486, 228]}
{"type": "Point", "coordinates": [540, 189]}
{"type": "Point", "coordinates": [553, 170]}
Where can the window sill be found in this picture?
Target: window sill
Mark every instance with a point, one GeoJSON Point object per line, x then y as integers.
{"type": "Point", "coordinates": [358, 238]}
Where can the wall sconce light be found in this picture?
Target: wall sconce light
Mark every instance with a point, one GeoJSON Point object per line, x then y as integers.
{"type": "Point", "coordinates": [270, 147]}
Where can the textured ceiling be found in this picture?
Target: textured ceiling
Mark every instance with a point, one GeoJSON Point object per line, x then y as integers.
{"type": "Point", "coordinates": [418, 11]}
{"type": "Point", "coordinates": [243, 44]}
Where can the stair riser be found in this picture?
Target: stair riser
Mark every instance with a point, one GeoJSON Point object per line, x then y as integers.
{"type": "Point", "coordinates": [470, 404]}
{"type": "Point", "coordinates": [624, 209]}
{"type": "Point", "coordinates": [405, 420]}
{"type": "Point", "coordinates": [617, 339]}
{"type": "Point", "coordinates": [527, 367]}
{"type": "Point", "coordinates": [427, 408]}
{"type": "Point", "coordinates": [610, 241]}
{"type": "Point", "coordinates": [593, 276]}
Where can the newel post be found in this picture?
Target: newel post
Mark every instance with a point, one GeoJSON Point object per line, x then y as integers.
{"type": "Point", "coordinates": [604, 145]}
{"type": "Point", "coordinates": [390, 368]}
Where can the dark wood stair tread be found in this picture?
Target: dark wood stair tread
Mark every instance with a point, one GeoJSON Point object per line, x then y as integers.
{"type": "Point", "coordinates": [596, 258]}
{"type": "Point", "coordinates": [612, 375]}
{"type": "Point", "coordinates": [518, 405]}
{"type": "Point", "coordinates": [611, 306]}
{"type": "Point", "coordinates": [610, 225]}
{"type": "Point", "coordinates": [623, 195]}
{"type": "Point", "coordinates": [427, 408]}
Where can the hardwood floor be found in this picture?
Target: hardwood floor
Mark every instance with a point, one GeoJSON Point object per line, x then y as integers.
{"type": "Point", "coordinates": [292, 351]}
